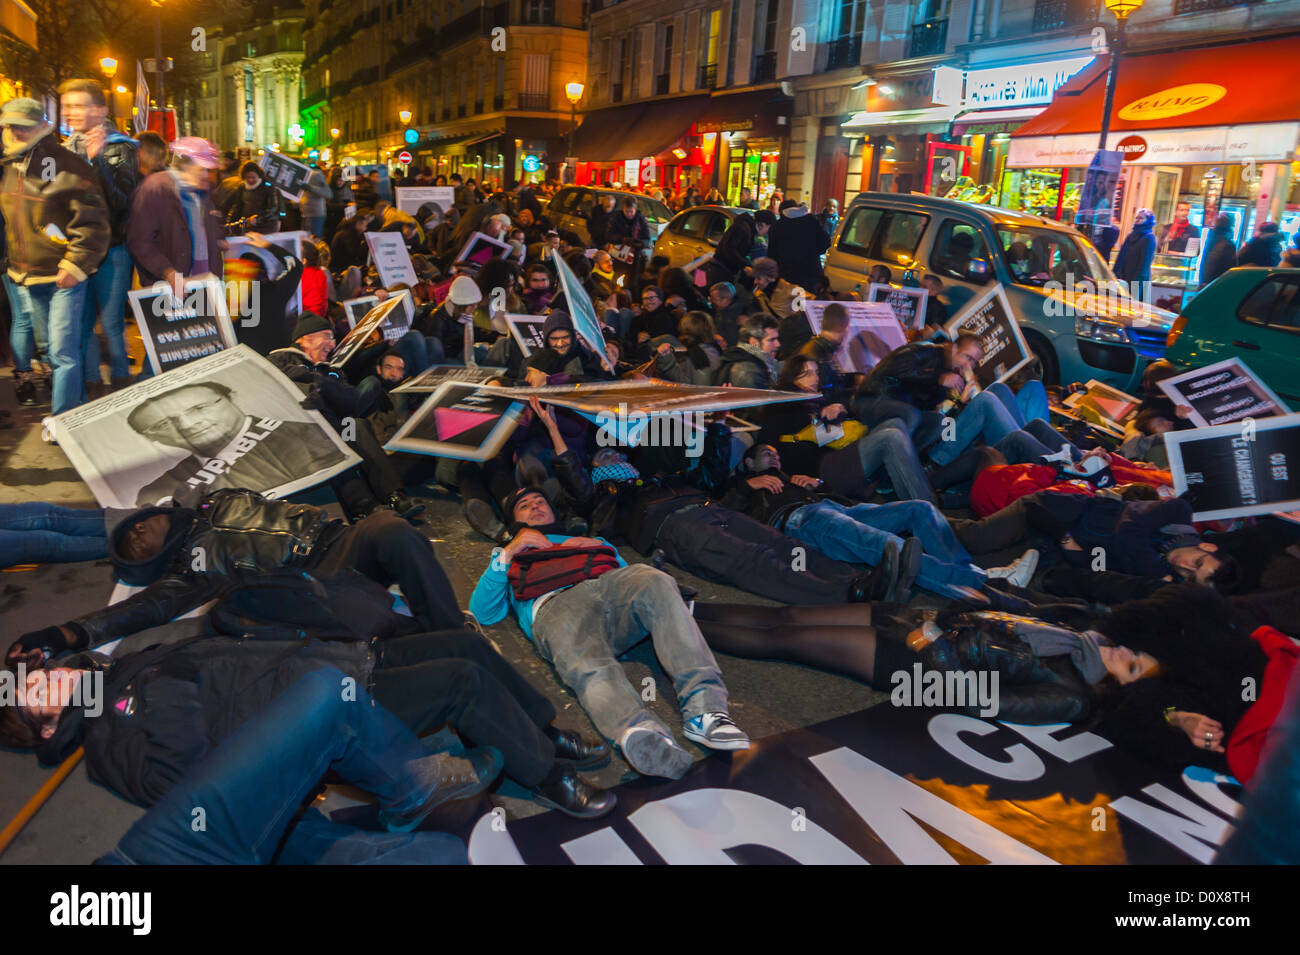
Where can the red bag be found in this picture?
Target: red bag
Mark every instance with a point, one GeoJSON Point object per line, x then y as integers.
{"type": "Point", "coordinates": [537, 572]}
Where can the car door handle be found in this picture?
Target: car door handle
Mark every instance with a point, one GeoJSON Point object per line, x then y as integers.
{"type": "Point", "coordinates": [1251, 345]}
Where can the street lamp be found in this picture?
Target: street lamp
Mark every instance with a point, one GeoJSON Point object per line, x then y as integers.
{"type": "Point", "coordinates": [109, 66]}
{"type": "Point", "coordinates": [334, 132]}
{"type": "Point", "coordinates": [1123, 9]}
{"type": "Point", "coordinates": [574, 92]}
{"type": "Point", "coordinates": [404, 115]}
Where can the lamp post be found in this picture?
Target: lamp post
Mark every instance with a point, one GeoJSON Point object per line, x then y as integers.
{"type": "Point", "coordinates": [109, 67]}
{"type": "Point", "coordinates": [574, 92]}
{"type": "Point", "coordinates": [158, 61]}
{"type": "Point", "coordinates": [1122, 9]}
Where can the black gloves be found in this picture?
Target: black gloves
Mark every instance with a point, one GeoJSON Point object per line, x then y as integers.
{"type": "Point", "coordinates": [35, 647]}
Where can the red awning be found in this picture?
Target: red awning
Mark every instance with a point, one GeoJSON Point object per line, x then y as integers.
{"type": "Point", "coordinates": [1256, 81]}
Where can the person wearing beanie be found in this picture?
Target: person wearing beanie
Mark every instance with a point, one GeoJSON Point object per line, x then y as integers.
{"type": "Point", "coordinates": [258, 303]}
{"type": "Point", "coordinates": [797, 242]}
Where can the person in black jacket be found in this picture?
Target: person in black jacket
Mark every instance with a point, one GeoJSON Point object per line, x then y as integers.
{"type": "Point", "coordinates": [1220, 254]}
{"type": "Point", "coordinates": [112, 154]}
{"type": "Point", "coordinates": [598, 220]}
{"type": "Point", "coordinates": [348, 248]}
{"type": "Point", "coordinates": [797, 242]}
{"type": "Point", "coordinates": [752, 362]}
{"type": "Point", "coordinates": [628, 227]}
{"type": "Point", "coordinates": [736, 248]}
{"type": "Point", "coordinates": [264, 321]}
{"type": "Point", "coordinates": [1264, 249]}
{"type": "Point", "coordinates": [256, 207]}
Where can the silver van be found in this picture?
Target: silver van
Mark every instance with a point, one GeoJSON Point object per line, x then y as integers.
{"type": "Point", "coordinates": [569, 207]}
{"type": "Point", "coordinates": [1075, 315]}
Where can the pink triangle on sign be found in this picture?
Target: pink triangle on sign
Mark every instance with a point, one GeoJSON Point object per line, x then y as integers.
{"type": "Point", "coordinates": [450, 422]}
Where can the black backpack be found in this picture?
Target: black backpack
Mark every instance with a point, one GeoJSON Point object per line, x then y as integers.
{"type": "Point", "coordinates": [293, 604]}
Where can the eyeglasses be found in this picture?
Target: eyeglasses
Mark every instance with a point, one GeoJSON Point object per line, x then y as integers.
{"type": "Point", "coordinates": [168, 425]}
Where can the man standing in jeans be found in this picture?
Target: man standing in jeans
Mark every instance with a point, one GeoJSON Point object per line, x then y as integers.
{"type": "Point", "coordinates": [112, 154]}
{"type": "Point", "coordinates": [581, 630]}
{"type": "Point", "coordinates": [57, 232]}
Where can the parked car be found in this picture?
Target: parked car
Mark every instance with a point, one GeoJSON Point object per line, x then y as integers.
{"type": "Point", "coordinates": [694, 232]}
{"type": "Point", "coordinates": [568, 209]}
{"type": "Point", "coordinates": [1247, 313]}
{"type": "Point", "coordinates": [1075, 315]}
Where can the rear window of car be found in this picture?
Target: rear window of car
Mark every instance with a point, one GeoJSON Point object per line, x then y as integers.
{"type": "Point", "coordinates": [1275, 304]}
{"type": "Point", "coordinates": [653, 209]}
{"type": "Point", "coordinates": [695, 223]}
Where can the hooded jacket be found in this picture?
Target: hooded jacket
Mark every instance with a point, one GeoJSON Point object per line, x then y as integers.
{"type": "Point", "coordinates": [1133, 264]}
{"type": "Point", "coordinates": [1220, 254]}
{"type": "Point", "coordinates": [54, 212]}
{"type": "Point", "coordinates": [797, 243]}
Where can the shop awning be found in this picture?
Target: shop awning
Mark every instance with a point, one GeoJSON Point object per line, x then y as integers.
{"type": "Point", "coordinates": [934, 119]}
{"type": "Point", "coordinates": [1221, 103]}
{"type": "Point", "coordinates": [994, 120]}
{"type": "Point", "coordinates": [445, 145]}
{"type": "Point", "coordinates": [757, 114]}
{"type": "Point", "coordinates": [17, 20]}
{"type": "Point", "coordinates": [484, 137]}
{"type": "Point", "coordinates": [636, 130]}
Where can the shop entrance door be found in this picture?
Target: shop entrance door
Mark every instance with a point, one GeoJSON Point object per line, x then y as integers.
{"type": "Point", "coordinates": [831, 176]}
{"type": "Point", "coordinates": [1150, 187]}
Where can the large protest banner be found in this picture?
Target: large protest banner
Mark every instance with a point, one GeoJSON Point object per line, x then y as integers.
{"type": "Point", "coordinates": [287, 175]}
{"type": "Point", "coordinates": [654, 397]}
{"type": "Point", "coordinates": [388, 313]}
{"type": "Point", "coordinates": [896, 784]}
{"type": "Point", "coordinates": [908, 303]}
{"type": "Point", "coordinates": [175, 332]}
{"type": "Point", "coordinates": [411, 198]}
{"type": "Point", "coordinates": [1238, 469]}
{"type": "Point", "coordinates": [873, 332]}
{"type": "Point", "coordinates": [1224, 392]}
{"type": "Point", "coordinates": [989, 318]}
{"type": "Point", "coordinates": [459, 421]}
{"type": "Point", "coordinates": [392, 260]}
{"type": "Point", "coordinates": [229, 420]}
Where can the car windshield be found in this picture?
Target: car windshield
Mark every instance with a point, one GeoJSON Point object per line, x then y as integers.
{"type": "Point", "coordinates": [1037, 256]}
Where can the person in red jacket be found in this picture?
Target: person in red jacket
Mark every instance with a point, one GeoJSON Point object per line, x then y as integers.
{"type": "Point", "coordinates": [315, 283]}
{"type": "Point", "coordinates": [997, 486]}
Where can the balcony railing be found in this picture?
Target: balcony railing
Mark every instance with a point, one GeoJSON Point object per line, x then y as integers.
{"type": "Point", "coordinates": [708, 77]}
{"type": "Point", "coordinates": [1201, 6]}
{"type": "Point", "coordinates": [765, 67]}
{"type": "Point", "coordinates": [928, 38]}
{"type": "Point", "coordinates": [844, 51]}
{"type": "Point", "coordinates": [534, 100]}
{"type": "Point", "coordinates": [1060, 14]}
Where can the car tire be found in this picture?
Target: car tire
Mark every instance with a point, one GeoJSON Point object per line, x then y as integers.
{"type": "Point", "coordinates": [1046, 355]}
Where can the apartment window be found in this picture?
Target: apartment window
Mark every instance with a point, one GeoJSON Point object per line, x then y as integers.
{"type": "Point", "coordinates": [539, 12]}
{"type": "Point", "coordinates": [665, 60]}
{"type": "Point", "coordinates": [536, 93]}
{"type": "Point", "coordinates": [930, 33]}
{"type": "Point", "coordinates": [616, 70]}
{"type": "Point", "coordinates": [711, 27]}
{"type": "Point", "coordinates": [845, 48]}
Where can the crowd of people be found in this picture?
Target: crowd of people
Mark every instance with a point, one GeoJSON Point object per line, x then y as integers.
{"type": "Point", "coordinates": [1079, 578]}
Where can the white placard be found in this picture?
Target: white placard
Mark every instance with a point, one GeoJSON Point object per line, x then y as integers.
{"type": "Point", "coordinates": [410, 198]}
{"type": "Point", "coordinates": [392, 260]}
{"type": "Point", "coordinates": [873, 333]}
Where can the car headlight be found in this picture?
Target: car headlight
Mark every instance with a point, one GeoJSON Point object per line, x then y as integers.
{"type": "Point", "coordinates": [1088, 326]}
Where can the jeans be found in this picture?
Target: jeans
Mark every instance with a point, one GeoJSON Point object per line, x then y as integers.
{"type": "Point", "coordinates": [315, 225]}
{"type": "Point", "coordinates": [40, 533]}
{"type": "Point", "coordinates": [107, 297]}
{"type": "Point", "coordinates": [889, 446]}
{"type": "Point", "coordinates": [1033, 396]}
{"type": "Point", "coordinates": [419, 351]}
{"type": "Point", "coordinates": [249, 788]}
{"type": "Point", "coordinates": [582, 631]}
{"type": "Point", "coordinates": [986, 417]}
{"type": "Point", "coordinates": [858, 534]}
{"type": "Point", "coordinates": [61, 310]}
{"type": "Point", "coordinates": [21, 333]}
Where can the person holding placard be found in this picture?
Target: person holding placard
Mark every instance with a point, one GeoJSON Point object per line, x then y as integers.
{"type": "Point", "coordinates": [256, 207]}
{"type": "Point", "coordinates": [265, 327]}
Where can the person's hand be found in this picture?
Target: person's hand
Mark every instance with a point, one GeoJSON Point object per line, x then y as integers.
{"type": "Point", "coordinates": [527, 539]}
{"type": "Point", "coordinates": [642, 337]}
{"type": "Point", "coordinates": [584, 542]}
{"type": "Point", "coordinates": [1098, 453]}
{"type": "Point", "coordinates": [1183, 411]}
{"type": "Point", "coordinates": [834, 412]}
{"type": "Point", "coordinates": [805, 480]}
{"type": "Point", "coordinates": [1203, 732]}
{"type": "Point", "coordinates": [1069, 543]}
{"type": "Point", "coordinates": [970, 390]}
{"type": "Point", "coordinates": [544, 414]}
{"type": "Point", "coordinates": [94, 141]}
{"type": "Point", "coordinates": [257, 239]}
{"type": "Point", "coordinates": [177, 282]}
{"type": "Point", "coordinates": [664, 349]}
{"type": "Point", "coordinates": [30, 647]}
{"type": "Point", "coordinates": [536, 377]}
{"type": "Point", "coordinates": [65, 279]}
{"type": "Point", "coordinates": [766, 482]}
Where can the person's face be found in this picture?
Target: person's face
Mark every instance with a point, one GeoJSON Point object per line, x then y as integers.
{"type": "Point", "coordinates": [46, 693]}
{"type": "Point", "coordinates": [629, 212]}
{"type": "Point", "coordinates": [1125, 665]}
{"type": "Point", "coordinates": [771, 342]}
{"type": "Point", "coordinates": [525, 217]}
{"type": "Point", "coordinates": [762, 228]}
{"type": "Point", "coordinates": [560, 341]}
{"type": "Point", "coordinates": [603, 261]}
{"type": "Point", "coordinates": [607, 202]}
{"type": "Point", "coordinates": [766, 458]}
{"type": "Point", "coordinates": [931, 286]}
{"type": "Point", "coordinates": [539, 281]}
{"type": "Point", "coordinates": [147, 537]}
{"type": "Point", "coordinates": [392, 368]}
{"type": "Point", "coordinates": [837, 336]}
{"type": "Point", "coordinates": [1197, 563]}
{"type": "Point", "coordinates": [719, 298]}
{"type": "Point", "coordinates": [650, 301]}
{"type": "Point", "coordinates": [534, 510]}
{"type": "Point", "coordinates": [807, 380]}
{"type": "Point", "coordinates": [761, 282]}
{"type": "Point", "coordinates": [1160, 425]}
{"type": "Point", "coordinates": [24, 134]}
{"type": "Point", "coordinates": [966, 357]}
{"type": "Point", "coordinates": [318, 345]}
{"type": "Point", "coordinates": [80, 111]}
{"type": "Point", "coordinates": [196, 419]}
{"type": "Point", "coordinates": [251, 180]}
{"type": "Point", "coordinates": [1181, 212]}
{"type": "Point", "coordinates": [606, 457]}
{"type": "Point", "coordinates": [195, 176]}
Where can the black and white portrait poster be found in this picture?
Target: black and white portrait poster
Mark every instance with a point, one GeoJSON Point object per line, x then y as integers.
{"type": "Point", "coordinates": [433, 377]}
{"type": "Point", "coordinates": [388, 311]}
{"type": "Point", "coordinates": [228, 420]}
{"type": "Point", "coordinates": [1221, 393]}
{"type": "Point", "coordinates": [178, 331]}
{"type": "Point", "coordinates": [908, 303]}
{"type": "Point", "coordinates": [459, 421]}
{"type": "Point", "coordinates": [1238, 469]}
{"type": "Point", "coordinates": [288, 175]}
{"type": "Point", "coordinates": [989, 317]}
{"type": "Point", "coordinates": [527, 332]}
{"type": "Point", "coordinates": [873, 332]}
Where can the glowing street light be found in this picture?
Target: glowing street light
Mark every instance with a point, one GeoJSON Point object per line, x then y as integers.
{"type": "Point", "coordinates": [404, 115]}
{"type": "Point", "coordinates": [574, 92]}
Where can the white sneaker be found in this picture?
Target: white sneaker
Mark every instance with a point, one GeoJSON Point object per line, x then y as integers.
{"type": "Point", "coordinates": [716, 731]}
{"type": "Point", "coordinates": [652, 753]}
{"type": "Point", "coordinates": [1020, 571]}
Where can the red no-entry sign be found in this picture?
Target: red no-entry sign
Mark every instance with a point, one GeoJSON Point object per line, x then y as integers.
{"type": "Point", "coordinates": [404, 157]}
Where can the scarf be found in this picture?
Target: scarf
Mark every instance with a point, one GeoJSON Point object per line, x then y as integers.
{"type": "Point", "coordinates": [762, 356]}
{"type": "Point", "coordinates": [192, 204]}
{"type": "Point", "coordinates": [1048, 640]}
{"type": "Point", "coordinates": [622, 471]}
{"type": "Point", "coordinates": [77, 141]}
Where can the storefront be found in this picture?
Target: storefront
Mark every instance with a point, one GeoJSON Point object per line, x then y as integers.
{"type": "Point", "coordinates": [748, 135]}
{"type": "Point", "coordinates": [1216, 127]}
{"type": "Point", "coordinates": [495, 157]}
{"type": "Point", "coordinates": [641, 142]}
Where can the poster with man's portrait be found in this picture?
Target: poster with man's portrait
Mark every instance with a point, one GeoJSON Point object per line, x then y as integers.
{"type": "Point", "coordinates": [228, 420]}
{"type": "Point", "coordinates": [872, 334]}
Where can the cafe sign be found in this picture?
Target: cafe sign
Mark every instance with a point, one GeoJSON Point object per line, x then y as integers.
{"type": "Point", "coordinates": [1031, 84]}
{"type": "Point", "coordinates": [1174, 101]}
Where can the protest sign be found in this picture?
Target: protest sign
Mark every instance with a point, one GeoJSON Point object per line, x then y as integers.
{"type": "Point", "coordinates": [653, 397]}
{"type": "Point", "coordinates": [1103, 407]}
{"type": "Point", "coordinates": [527, 331]}
{"type": "Point", "coordinates": [175, 332]}
{"type": "Point", "coordinates": [1221, 393]}
{"type": "Point", "coordinates": [229, 420]}
{"type": "Point", "coordinates": [908, 303]}
{"type": "Point", "coordinates": [583, 313]}
{"type": "Point", "coordinates": [239, 273]}
{"type": "Point", "coordinates": [411, 198]}
{"type": "Point", "coordinates": [433, 377]}
{"type": "Point", "coordinates": [287, 175]}
{"type": "Point", "coordinates": [459, 421]}
{"type": "Point", "coordinates": [392, 261]}
{"type": "Point", "coordinates": [1238, 469]}
{"type": "Point", "coordinates": [386, 311]}
{"type": "Point", "coordinates": [481, 249]}
{"type": "Point", "coordinates": [989, 318]}
{"type": "Point", "coordinates": [357, 308]}
{"type": "Point", "coordinates": [873, 332]}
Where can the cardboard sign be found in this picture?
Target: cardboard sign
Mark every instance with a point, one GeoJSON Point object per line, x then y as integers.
{"type": "Point", "coordinates": [481, 249]}
{"type": "Point", "coordinates": [357, 308]}
{"type": "Point", "coordinates": [989, 317]}
{"type": "Point", "coordinates": [583, 313]}
{"type": "Point", "coordinates": [288, 175]}
{"type": "Point", "coordinates": [411, 198]}
{"type": "Point", "coordinates": [873, 332]}
{"type": "Point", "coordinates": [652, 397]}
{"type": "Point", "coordinates": [527, 331]}
{"type": "Point", "coordinates": [1238, 469]}
{"type": "Point", "coordinates": [1103, 407]}
{"type": "Point", "coordinates": [228, 420]}
{"type": "Point", "coordinates": [433, 377]}
{"type": "Point", "coordinates": [178, 332]}
{"type": "Point", "coordinates": [459, 421]}
{"type": "Point", "coordinates": [908, 303]}
{"type": "Point", "coordinates": [392, 260]}
{"type": "Point", "coordinates": [387, 311]}
{"type": "Point", "coordinates": [1222, 393]}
